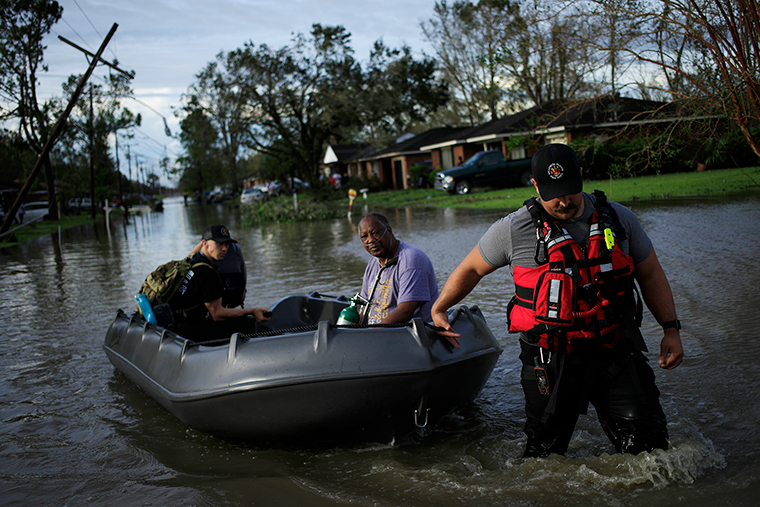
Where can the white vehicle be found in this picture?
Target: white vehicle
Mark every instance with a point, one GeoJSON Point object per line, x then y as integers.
{"type": "Point", "coordinates": [250, 195]}
{"type": "Point", "coordinates": [80, 203]}
{"type": "Point", "coordinates": [35, 210]}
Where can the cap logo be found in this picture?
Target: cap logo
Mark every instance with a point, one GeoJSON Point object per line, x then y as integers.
{"type": "Point", "coordinates": [224, 232]}
{"type": "Point", "coordinates": [555, 171]}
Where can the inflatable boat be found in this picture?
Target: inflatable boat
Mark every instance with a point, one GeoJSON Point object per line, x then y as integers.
{"type": "Point", "coordinates": [303, 376]}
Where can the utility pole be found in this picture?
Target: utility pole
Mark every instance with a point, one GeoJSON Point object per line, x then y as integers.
{"type": "Point", "coordinates": [118, 175]}
{"type": "Point", "coordinates": [129, 180]}
{"type": "Point", "coordinates": [92, 157]}
{"type": "Point", "coordinates": [92, 121]}
{"type": "Point", "coordinates": [56, 132]}
{"type": "Point", "coordinates": [137, 172]}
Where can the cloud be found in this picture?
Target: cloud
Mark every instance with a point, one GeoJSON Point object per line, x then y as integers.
{"type": "Point", "coordinates": [167, 42]}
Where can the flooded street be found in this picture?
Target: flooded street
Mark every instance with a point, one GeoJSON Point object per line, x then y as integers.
{"type": "Point", "coordinates": [74, 431]}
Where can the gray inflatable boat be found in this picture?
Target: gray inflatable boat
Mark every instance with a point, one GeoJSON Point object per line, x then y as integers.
{"type": "Point", "coordinates": [306, 378]}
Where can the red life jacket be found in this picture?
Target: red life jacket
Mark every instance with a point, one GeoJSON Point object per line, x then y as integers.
{"type": "Point", "coordinates": [575, 295]}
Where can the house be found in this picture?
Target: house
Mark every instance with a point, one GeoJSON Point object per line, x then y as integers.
{"type": "Point", "coordinates": [390, 165]}
{"type": "Point", "coordinates": [338, 156]}
{"type": "Point", "coordinates": [521, 134]}
{"type": "Point", "coordinates": [517, 136]}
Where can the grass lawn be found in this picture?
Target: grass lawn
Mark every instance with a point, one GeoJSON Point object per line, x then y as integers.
{"type": "Point", "coordinates": [280, 209]}
{"type": "Point", "coordinates": [45, 227]}
{"type": "Point", "coordinates": [622, 190]}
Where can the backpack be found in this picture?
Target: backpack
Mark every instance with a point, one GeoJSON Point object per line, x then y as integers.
{"type": "Point", "coordinates": [162, 283]}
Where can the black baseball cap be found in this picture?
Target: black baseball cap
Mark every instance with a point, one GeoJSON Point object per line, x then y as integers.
{"type": "Point", "coordinates": [218, 233]}
{"type": "Point", "coordinates": [557, 171]}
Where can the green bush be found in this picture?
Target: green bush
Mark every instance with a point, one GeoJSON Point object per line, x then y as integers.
{"type": "Point", "coordinates": [420, 171]}
{"type": "Point", "coordinates": [637, 156]}
{"type": "Point", "coordinates": [282, 209]}
{"type": "Point", "coordinates": [372, 184]}
{"type": "Point", "coordinates": [730, 150]}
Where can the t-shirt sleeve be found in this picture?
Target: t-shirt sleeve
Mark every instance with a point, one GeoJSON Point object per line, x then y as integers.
{"type": "Point", "coordinates": [414, 285]}
{"type": "Point", "coordinates": [416, 279]}
{"type": "Point", "coordinates": [498, 246]}
{"type": "Point", "coordinates": [494, 244]}
{"type": "Point", "coordinates": [639, 244]}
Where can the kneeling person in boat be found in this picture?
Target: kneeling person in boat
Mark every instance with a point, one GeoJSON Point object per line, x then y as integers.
{"type": "Point", "coordinates": [197, 306]}
{"type": "Point", "coordinates": [399, 280]}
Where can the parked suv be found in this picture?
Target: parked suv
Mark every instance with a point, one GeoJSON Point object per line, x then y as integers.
{"type": "Point", "coordinates": [484, 168]}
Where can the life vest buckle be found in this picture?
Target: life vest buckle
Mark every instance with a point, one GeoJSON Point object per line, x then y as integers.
{"type": "Point", "coordinates": [541, 255]}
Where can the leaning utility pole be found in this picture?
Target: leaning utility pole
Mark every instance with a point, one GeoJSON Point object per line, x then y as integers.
{"type": "Point", "coordinates": [91, 122]}
{"type": "Point", "coordinates": [56, 132]}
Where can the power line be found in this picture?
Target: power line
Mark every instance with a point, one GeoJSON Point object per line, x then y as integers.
{"type": "Point", "coordinates": [87, 18]}
{"type": "Point", "coordinates": [166, 125]}
{"type": "Point", "coordinates": [73, 30]}
{"type": "Point", "coordinates": [154, 141]}
{"type": "Point", "coordinates": [91, 24]}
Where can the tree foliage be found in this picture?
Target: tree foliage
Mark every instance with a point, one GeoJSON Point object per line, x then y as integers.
{"type": "Point", "coordinates": [468, 41]}
{"type": "Point", "coordinates": [83, 153]}
{"type": "Point", "coordinates": [709, 53]}
{"type": "Point", "coordinates": [396, 92]}
{"type": "Point", "coordinates": [701, 54]}
{"type": "Point", "coordinates": [288, 103]}
{"type": "Point", "coordinates": [23, 24]}
{"type": "Point", "coordinates": [200, 165]}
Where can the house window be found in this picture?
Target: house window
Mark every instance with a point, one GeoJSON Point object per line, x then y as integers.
{"type": "Point", "coordinates": [555, 138]}
{"type": "Point", "coordinates": [518, 153]}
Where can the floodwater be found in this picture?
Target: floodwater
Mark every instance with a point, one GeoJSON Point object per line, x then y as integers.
{"type": "Point", "coordinates": [74, 431]}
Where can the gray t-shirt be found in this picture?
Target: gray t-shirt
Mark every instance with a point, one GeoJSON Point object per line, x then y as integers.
{"type": "Point", "coordinates": [411, 279]}
{"type": "Point", "coordinates": [511, 241]}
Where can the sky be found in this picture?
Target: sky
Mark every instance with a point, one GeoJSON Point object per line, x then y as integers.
{"type": "Point", "coordinates": [167, 42]}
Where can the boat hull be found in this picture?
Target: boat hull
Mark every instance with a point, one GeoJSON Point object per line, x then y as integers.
{"type": "Point", "coordinates": [312, 379]}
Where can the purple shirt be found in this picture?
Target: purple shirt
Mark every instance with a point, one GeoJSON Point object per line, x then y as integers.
{"type": "Point", "coordinates": [411, 279]}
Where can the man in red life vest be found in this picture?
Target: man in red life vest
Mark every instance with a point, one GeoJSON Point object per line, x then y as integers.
{"type": "Point", "coordinates": [574, 258]}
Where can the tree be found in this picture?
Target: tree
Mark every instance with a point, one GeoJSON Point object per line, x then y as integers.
{"type": "Point", "coordinates": [397, 92]}
{"type": "Point", "coordinates": [201, 161]}
{"type": "Point", "coordinates": [500, 56]}
{"type": "Point", "coordinates": [82, 153]}
{"type": "Point", "coordinates": [708, 52]}
{"type": "Point", "coordinates": [547, 61]}
{"type": "Point", "coordinates": [224, 102]}
{"type": "Point", "coordinates": [288, 103]}
{"type": "Point", "coordinates": [300, 96]}
{"type": "Point", "coordinates": [23, 24]}
{"type": "Point", "coordinates": [15, 154]}
{"type": "Point", "coordinates": [614, 28]}
{"type": "Point", "coordinates": [467, 39]}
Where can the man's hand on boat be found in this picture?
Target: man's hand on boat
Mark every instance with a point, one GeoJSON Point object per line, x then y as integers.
{"type": "Point", "coordinates": [261, 314]}
{"type": "Point", "coordinates": [443, 328]}
{"type": "Point", "coordinates": [219, 312]}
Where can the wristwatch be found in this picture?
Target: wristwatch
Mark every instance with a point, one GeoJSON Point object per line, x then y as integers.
{"type": "Point", "coordinates": [672, 323]}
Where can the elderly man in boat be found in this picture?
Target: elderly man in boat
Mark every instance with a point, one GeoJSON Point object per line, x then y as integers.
{"type": "Point", "coordinates": [399, 280]}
